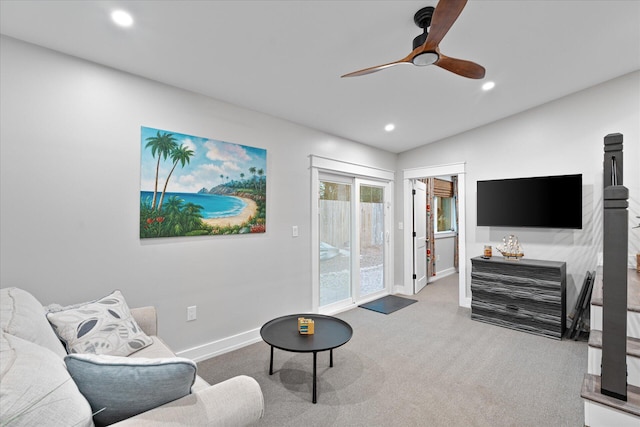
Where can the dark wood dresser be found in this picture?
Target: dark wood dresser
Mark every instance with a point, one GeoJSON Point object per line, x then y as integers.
{"type": "Point", "coordinates": [527, 295]}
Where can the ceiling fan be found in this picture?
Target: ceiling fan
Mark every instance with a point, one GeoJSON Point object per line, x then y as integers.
{"type": "Point", "coordinates": [435, 23]}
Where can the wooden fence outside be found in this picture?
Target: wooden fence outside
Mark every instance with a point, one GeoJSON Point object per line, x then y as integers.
{"type": "Point", "coordinates": [335, 223]}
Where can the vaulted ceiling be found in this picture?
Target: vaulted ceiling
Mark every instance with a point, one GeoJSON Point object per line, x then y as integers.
{"type": "Point", "coordinates": [285, 58]}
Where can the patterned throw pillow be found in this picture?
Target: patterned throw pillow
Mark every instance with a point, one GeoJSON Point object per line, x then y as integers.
{"type": "Point", "coordinates": [121, 387]}
{"type": "Point", "coordinates": [104, 326]}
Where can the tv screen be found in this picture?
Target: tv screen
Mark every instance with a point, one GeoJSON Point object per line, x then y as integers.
{"type": "Point", "coordinates": [546, 201]}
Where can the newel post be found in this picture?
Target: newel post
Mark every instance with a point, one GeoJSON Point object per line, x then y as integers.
{"type": "Point", "coordinates": [614, 277]}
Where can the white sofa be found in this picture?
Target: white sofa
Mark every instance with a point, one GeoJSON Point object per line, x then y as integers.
{"type": "Point", "coordinates": [37, 389]}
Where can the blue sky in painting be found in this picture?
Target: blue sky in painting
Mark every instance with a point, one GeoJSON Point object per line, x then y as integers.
{"type": "Point", "coordinates": [211, 159]}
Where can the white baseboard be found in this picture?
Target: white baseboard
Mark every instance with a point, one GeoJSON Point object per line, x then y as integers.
{"type": "Point", "coordinates": [399, 289]}
{"type": "Point", "coordinates": [225, 345]}
{"type": "Point", "coordinates": [443, 274]}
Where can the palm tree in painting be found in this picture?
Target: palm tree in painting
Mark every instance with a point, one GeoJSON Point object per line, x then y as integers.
{"type": "Point", "coordinates": [260, 172]}
{"type": "Point", "coordinates": [252, 171]}
{"type": "Point", "coordinates": [172, 211]}
{"type": "Point", "coordinates": [192, 215]}
{"type": "Point", "coordinates": [162, 145]}
{"type": "Point", "coordinates": [180, 155]}
{"type": "Point", "coordinates": [173, 206]}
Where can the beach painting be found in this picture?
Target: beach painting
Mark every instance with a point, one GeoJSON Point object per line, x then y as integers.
{"type": "Point", "coordinates": [194, 186]}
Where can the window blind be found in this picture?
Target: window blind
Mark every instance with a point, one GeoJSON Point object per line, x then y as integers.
{"type": "Point", "coordinates": [443, 188]}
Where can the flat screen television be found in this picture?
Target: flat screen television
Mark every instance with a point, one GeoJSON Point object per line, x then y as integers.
{"type": "Point", "coordinates": [537, 202]}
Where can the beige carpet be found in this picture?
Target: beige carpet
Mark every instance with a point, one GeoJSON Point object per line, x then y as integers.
{"type": "Point", "coordinates": [428, 364]}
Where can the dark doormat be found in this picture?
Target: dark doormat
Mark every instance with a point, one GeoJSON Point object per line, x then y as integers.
{"type": "Point", "coordinates": [388, 304]}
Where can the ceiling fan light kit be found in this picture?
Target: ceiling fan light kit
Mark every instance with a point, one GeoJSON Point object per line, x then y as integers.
{"type": "Point", "coordinates": [426, 58]}
{"type": "Point", "coordinates": [435, 23]}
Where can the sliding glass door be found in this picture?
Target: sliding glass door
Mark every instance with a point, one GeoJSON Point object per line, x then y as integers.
{"type": "Point", "coordinates": [372, 238]}
{"type": "Point", "coordinates": [353, 240]}
{"type": "Point", "coordinates": [335, 197]}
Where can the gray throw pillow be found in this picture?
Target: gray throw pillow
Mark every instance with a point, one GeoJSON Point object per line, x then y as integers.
{"type": "Point", "coordinates": [104, 326]}
{"type": "Point", "coordinates": [120, 387]}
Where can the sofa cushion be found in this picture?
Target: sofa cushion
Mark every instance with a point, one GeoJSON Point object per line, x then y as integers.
{"type": "Point", "coordinates": [104, 326]}
{"type": "Point", "coordinates": [121, 387]}
{"type": "Point", "coordinates": [159, 349]}
{"type": "Point", "coordinates": [36, 389]}
{"type": "Point", "coordinates": [22, 315]}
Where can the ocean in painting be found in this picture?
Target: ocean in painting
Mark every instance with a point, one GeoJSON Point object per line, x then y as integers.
{"type": "Point", "coordinates": [214, 206]}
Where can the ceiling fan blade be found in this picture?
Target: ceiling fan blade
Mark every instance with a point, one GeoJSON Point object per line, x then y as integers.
{"type": "Point", "coordinates": [445, 14]}
{"type": "Point", "coordinates": [378, 68]}
{"type": "Point", "coordinates": [461, 67]}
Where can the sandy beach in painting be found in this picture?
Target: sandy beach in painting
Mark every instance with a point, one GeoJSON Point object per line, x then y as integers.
{"type": "Point", "coordinates": [250, 210]}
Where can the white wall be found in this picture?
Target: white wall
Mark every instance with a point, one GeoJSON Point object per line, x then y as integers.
{"type": "Point", "coordinates": [70, 156]}
{"type": "Point", "coordinates": [445, 255]}
{"type": "Point", "coordinates": [562, 137]}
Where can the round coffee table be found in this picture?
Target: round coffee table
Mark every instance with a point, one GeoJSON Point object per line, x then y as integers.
{"type": "Point", "coordinates": [330, 333]}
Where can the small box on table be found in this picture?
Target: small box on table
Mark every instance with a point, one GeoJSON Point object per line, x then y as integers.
{"type": "Point", "coordinates": [305, 326]}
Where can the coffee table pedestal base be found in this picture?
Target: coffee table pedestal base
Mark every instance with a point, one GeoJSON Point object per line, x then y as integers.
{"type": "Point", "coordinates": [315, 364]}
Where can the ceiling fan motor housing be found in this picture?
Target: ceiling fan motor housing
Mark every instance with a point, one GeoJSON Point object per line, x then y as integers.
{"type": "Point", "coordinates": [422, 18]}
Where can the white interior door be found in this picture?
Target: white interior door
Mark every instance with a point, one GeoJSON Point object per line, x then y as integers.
{"type": "Point", "coordinates": [419, 235]}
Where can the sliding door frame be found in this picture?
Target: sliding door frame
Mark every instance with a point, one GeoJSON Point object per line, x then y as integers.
{"type": "Point", "coordinates": [384, 177]}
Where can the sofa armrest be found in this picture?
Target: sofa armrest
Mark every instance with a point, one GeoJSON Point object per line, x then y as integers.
{"type": "Point", "coordinates": [235, 402]}
{"type": "Point", "coordinates": [146, 318]}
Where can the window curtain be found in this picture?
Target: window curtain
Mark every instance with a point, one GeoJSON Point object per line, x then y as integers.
{"type": "Point", "coordinates": [454, 182]}
{"type": "Point", "coordinates": [431, 247]}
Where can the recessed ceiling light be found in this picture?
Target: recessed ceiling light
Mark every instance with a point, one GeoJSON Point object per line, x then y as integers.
{"type": "Point", "coordinates": [488, 86]}
{"type": "Point", "coordinates": [122, 18]}
{"type": "Point", "coordinates": [389, 127]}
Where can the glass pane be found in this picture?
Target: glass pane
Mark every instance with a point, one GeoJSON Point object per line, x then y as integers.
{"type": "Point", "coordinates": [371, 239]}
{"type": "Point", "coordinates": [371, 194]}
{"type": "Point", "coordinates": [335, 242]}
{"type": "Point", "coordinates": [444, 211]}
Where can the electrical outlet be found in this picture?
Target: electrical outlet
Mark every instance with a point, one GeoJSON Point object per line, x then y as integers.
{"type": "Point", "coordinates": [294, 231]}
{"type": "Point", "coordinates": [191, 313]}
